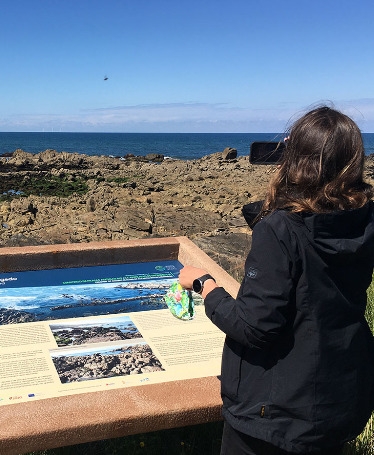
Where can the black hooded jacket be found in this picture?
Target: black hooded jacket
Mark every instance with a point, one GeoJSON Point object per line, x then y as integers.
{"type": "Point", "coordinates": [298, 360]}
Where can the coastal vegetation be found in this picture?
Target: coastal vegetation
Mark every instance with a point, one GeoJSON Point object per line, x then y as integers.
{"type": "Point", "coordinates": [47, 184]}
{"type": "Point", "coordinates": [193, 440]}
{"type": "Point", "coordinates": [364, 444]}
{"type": "Point", "coordinates": [42, 185]}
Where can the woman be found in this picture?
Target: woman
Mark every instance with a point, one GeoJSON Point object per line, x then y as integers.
{"type": "Point", "coordinates": [298, 360]}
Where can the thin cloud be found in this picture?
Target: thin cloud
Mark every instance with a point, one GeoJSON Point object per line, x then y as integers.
{"type": "Point", "coordinates": [183, 117]}
{"type": "Point", "coordinates": [159, 106]}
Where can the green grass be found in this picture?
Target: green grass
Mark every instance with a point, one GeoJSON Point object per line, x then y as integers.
{"type": "Point", "coordinates": [370, 307]}
{"type": "Point", "coordinates": [194, 440]}
{"type": "Point", "coordinates": [364, 444]}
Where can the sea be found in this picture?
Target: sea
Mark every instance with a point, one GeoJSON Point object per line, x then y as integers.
{"type": "Point", "coordinates": [184, 146]}
{"type": "Point", "coordinates": [65, 293]}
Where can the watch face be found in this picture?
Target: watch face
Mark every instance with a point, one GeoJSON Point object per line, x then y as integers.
{"type": "Point", "coordinates": [197, 286]}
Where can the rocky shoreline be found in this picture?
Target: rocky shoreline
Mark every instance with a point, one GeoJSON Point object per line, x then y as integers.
{"type": "Point", "coordinates": [95, 334]}
{"type": "Point", "coordinates": [135, 359]}
{"type": "Point", "coordinates": [121, 198]}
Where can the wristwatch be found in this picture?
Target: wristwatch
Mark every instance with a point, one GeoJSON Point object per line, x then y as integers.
{"type": "Point", "coordinates": [198, 284]}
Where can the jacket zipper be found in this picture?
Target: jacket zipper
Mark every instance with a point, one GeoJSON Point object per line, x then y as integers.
{"type": "Point", "coordinates": [262, 413]}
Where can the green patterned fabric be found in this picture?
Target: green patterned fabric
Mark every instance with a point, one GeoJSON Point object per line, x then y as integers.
{"type": "Point", "coordinates": [180, 302]}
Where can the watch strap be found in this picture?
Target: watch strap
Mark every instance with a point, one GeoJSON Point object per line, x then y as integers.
{"type": "Point", "coordinates": [200, 282]}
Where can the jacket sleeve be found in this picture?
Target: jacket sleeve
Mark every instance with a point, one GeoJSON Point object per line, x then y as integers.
{"type": "Point", "coordinates": [264, 304]}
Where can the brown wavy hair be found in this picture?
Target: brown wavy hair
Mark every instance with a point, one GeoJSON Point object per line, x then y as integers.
{"type": "Point", "coordinates": [322, 166]}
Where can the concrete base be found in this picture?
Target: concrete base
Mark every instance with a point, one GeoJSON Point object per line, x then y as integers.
{"type": "Point", "coordinates": [76, 419]}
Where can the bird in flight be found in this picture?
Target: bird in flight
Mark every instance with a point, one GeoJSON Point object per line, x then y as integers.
{"type": "Point", "coordinates": [105, 78]}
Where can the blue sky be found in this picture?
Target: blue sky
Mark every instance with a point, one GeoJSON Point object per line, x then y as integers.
{"type": "Point", "coordinates": [182, 66]}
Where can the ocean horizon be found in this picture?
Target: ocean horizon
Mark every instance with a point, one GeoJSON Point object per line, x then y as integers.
{"type": "Point", "coordinates": [185, 146]}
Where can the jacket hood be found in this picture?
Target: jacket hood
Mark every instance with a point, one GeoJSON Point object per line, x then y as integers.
{"type": "Point", "coordinates": [251, 211]}
{"type": "Point", "coordinates": [343, 232]}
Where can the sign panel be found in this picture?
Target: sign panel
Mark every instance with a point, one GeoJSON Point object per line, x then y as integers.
{"type": "Point", "coordinates": [85, 329]}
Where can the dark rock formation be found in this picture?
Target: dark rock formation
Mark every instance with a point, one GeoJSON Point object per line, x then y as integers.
{"type": "Point", "coordinates": [136, 359]}
{"type": "Point", "coordinates": [229, 153]}
{"type": "Point", "coordinates": [95, 334]}
{"type": "Point", "coordinates": [9, 316]}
